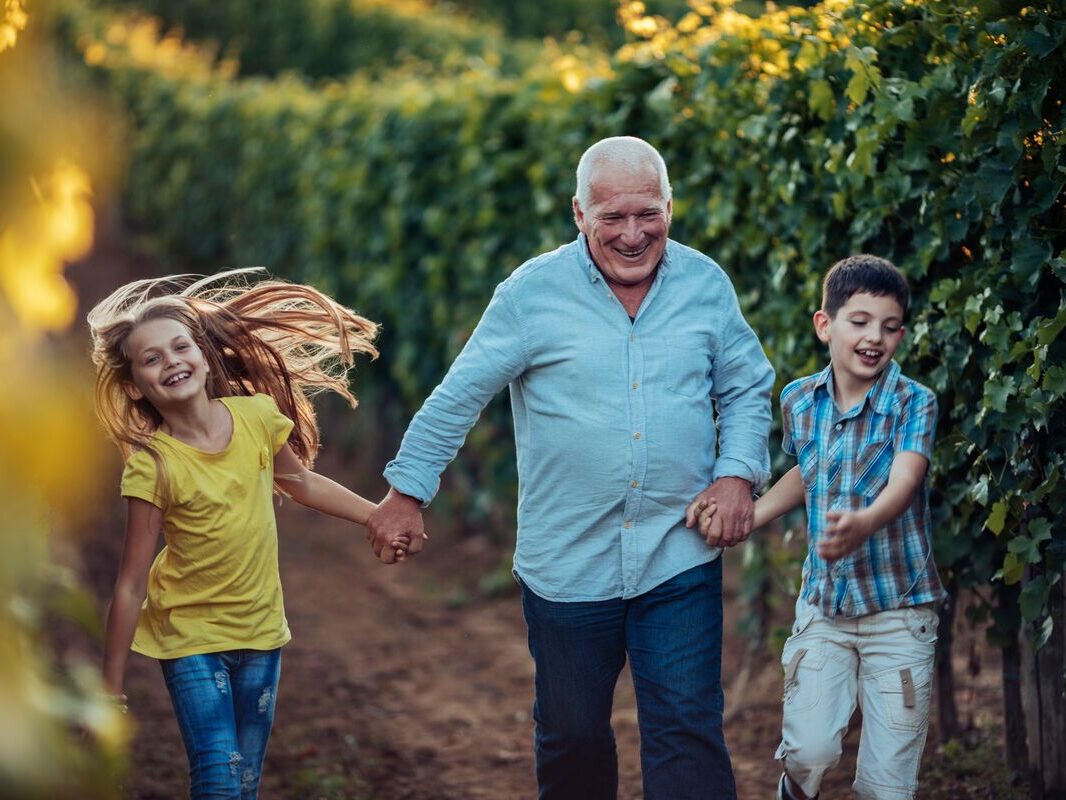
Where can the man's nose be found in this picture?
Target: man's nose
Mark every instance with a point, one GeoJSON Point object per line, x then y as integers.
{"type": "Point", "coordinates": [631, 228]}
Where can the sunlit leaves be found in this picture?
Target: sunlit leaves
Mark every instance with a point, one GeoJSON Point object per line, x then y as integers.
{"type": "Point", "coordinates": [13, 19]}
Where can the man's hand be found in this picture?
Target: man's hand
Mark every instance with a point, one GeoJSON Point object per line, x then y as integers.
{"type": "Point", "coordinates": [733, 511]}
{"type": "Point", "coordinates": [846, 531]}
{"type": "Point", "coordinates": [398, 518]}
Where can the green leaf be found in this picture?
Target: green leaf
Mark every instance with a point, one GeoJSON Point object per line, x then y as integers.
{"type": "Point", "coordinates": [1012, 569]}
{"type": "Point", "coordinates": [997, 518]}
{"type": "Point", "coordinates": [1033, 598]}
{"type": "Point", "coordinates": [820, 99]}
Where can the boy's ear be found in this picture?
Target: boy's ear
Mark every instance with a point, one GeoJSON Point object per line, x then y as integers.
{"type": "Point", "coordinates": [131, 390]}
{"type": "Point", "coordinates": [821, 325]}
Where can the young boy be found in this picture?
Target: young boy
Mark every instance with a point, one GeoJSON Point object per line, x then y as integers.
{"type": "Point", "coordinates": [865, 628]}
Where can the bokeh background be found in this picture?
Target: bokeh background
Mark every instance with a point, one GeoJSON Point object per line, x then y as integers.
{"type": "Point", "coordinates": [405, 156]}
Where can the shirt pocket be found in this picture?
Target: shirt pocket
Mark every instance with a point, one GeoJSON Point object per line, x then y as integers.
{"type": "Point", "coordinates": [872, 466]}
{"type": "Point", "coordinates": [807, 455]}
{"type": "Point", "coordinates": [688, 365]}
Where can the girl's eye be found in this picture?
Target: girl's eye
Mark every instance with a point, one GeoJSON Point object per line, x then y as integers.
{"type": "Point", "coordinates": [151, 359]}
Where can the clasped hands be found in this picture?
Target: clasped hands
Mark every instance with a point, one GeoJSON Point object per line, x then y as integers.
{"type": "Point", "coordinates": [723, 512]}
{"type": "Point", "coordinates": [395, 528]}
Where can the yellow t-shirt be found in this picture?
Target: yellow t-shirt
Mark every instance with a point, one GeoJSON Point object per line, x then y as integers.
{"type": "Point", "coordinates": [215, 585]}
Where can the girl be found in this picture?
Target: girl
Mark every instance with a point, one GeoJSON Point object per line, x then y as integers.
{"type": "Point", "coordinates": [205, 386]}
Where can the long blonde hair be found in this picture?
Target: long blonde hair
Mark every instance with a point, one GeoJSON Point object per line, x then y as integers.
{"type": "Point", "coordinates": [287, 340]}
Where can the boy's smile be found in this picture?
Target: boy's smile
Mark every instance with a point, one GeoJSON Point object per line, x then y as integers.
{"type": "Point", "coordinates": [862, 336]}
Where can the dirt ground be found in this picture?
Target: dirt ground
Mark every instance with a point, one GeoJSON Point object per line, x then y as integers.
{"type": "Point", "coordinates": [397, 686]}
{"type": "Point", "coordinates": [404, 683]}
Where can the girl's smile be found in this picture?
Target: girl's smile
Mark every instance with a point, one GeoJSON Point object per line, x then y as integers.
{"type": "Point", "coordinates": [166, 364]}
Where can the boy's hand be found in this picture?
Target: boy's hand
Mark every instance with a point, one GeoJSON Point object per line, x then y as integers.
{"type": "Point", "coordinates": [846, 531]}
{"type": "Point", "coordinates": [711, 532]}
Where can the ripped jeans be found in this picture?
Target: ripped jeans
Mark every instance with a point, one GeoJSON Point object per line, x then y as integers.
{"type": "Point", "coordinates": [224, 703]}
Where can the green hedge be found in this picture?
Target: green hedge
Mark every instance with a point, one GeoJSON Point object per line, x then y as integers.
{"type": "Point", "coordinates": [331, 38]}
{"type": "Point", "coordinates": [929, 133]}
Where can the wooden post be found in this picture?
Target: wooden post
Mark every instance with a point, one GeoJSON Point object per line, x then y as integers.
{"type": "Point", "coordinates": [1045, 698]}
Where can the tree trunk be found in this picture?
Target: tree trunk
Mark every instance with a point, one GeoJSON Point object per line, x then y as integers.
{"type": "Point", "coordinates": [1045, 700]}
{"type": "Point", "coordinates": [1017, 751]}
{"type": "Point", "coordinates": [947, 712]}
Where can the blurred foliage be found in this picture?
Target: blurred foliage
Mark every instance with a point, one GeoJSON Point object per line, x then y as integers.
{"type": "Point", "coordinates": [330, 38]}
{"type": "Point", "coordinates": [596, 20]}
{"type": "Point", "coordinates": [60, 737]}
{"type": "Point", "coordinates": [930, 133]}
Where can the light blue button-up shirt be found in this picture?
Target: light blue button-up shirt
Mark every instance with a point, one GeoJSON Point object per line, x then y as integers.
{"type": "Point", "coordinates": [615, 423]}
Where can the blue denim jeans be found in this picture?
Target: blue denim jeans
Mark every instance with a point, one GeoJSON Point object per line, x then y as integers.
{"type": "Point", "coordinates": [673, 637]}
{"type": "Point", "coordinates": [224, 703]}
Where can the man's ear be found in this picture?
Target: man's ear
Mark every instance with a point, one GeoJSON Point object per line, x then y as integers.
{"type": "Point", "coordinates": [579, 215]}
{"type": "Point", "coordinates": [821, 325]}
{"type": "Point", "coordinates": [131, 390]}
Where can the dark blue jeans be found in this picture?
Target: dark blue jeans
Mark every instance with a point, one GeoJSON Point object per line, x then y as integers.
{"type": "Point", "coordinates": [224, 703]}
{"type": "Point", "coordinates": [673, 637]}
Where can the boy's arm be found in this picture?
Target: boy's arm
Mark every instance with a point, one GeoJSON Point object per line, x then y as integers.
{"type": "Point", "coordinates": [143, 523]}
{"type": "Point", "coordinates": [785, 495]}
{"type": "Point", "coordinates": [848, 529]}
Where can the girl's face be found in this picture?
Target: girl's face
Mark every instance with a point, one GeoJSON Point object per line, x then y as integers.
{"type": "Point", "coordinates": [167, 367]}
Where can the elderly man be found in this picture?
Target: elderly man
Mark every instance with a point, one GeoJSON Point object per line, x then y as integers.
{"type": "Point", "coordinates": [636, 387]}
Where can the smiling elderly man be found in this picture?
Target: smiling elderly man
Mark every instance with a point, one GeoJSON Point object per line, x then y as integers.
{"type": "Point", "coordinates": [636, 386]}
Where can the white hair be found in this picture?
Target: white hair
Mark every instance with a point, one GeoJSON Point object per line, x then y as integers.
{"type": "Point", "coordinates": [627, 152]}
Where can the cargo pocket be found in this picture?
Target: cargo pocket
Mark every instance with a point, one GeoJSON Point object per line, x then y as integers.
{"type": "Point", "coordinates": [804, 662]}
{"type": "Point", "coordinates": [922, 622]}
{"type": "Point", "coordinates": [906, 694]}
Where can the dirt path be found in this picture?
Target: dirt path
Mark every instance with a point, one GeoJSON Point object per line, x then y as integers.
{"type": "Point", "coordinates": [391, 691]}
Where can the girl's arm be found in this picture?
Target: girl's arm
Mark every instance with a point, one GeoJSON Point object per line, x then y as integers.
{"type": "Point", "coordinates": [784, 496]}
{"type": "Point", "coordinates": [143, 524]}
{"type": "Point", "coordinates": [310, 489]}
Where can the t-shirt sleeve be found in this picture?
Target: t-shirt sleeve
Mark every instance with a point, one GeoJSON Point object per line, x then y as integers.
{"type": "Point", "coordinates": [917, 424]}
{"type": "Point", "coordinates": [278, 426]}
{"type": "Point", "coordinates": [139, 479]}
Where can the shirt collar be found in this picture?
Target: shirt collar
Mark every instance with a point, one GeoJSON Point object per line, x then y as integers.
{"type": "Point", "coordinates": [880, 396]}
{"type": "Point", "coordinates": [594, 271]}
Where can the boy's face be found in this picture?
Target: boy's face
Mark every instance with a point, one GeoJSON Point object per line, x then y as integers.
{"type": "Point", "coordinates": [862, 337]}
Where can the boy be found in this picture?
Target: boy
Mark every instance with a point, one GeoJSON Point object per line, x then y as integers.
{"type": "Point", "coordinates": [865, 628]}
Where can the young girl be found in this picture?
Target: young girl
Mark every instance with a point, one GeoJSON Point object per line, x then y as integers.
{"type": "Point", "coordinates": [205, 386]}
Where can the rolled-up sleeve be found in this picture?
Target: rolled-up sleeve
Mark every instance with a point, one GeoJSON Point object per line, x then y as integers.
{"type": "Point", "coordinates": [494, 355]}
{"type": "Point", "coordinates": [743, 381]}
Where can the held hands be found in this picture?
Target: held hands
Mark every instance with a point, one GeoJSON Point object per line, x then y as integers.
{"type": "Point", "coordinates": [846, 531]}
{"type": "Point", "coordinates": [723, 511]}
{"type": "Point", "coordinates": [395, 528]}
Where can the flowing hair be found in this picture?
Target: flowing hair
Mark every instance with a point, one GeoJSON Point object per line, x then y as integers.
{"type": "Point", "coordinates": [287, 340]}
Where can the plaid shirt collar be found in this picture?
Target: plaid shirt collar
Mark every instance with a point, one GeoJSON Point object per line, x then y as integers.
{"type": "Point", "coordinates": [881, 396]}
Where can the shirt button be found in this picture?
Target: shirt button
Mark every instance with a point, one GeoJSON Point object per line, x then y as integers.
{"type": "Point", "coordinates": [636, 435]}
{"type": "Point", "coordinates": [634, 484]}
{"type": "Point", "coordinates": [840, 426]}
{"type": "Point", "coordinates": [632, 337]}
{"type": "Point", "coordinates": [628, 524]}
{"type": "Point", "coordinates": [635, 384]}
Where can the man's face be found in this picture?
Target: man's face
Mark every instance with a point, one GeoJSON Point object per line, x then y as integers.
{"type": "Point", "coordinates": [626, 223]}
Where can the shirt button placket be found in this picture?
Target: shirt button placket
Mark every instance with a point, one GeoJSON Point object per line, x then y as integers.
{"type": "Point", "coordinates": [638, 449]}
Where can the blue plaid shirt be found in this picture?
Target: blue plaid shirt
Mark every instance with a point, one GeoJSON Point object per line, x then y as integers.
{"type": "Point", "coordinates": [845, 459]}
{"type": "Point", "coordinates": [619, 423]}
